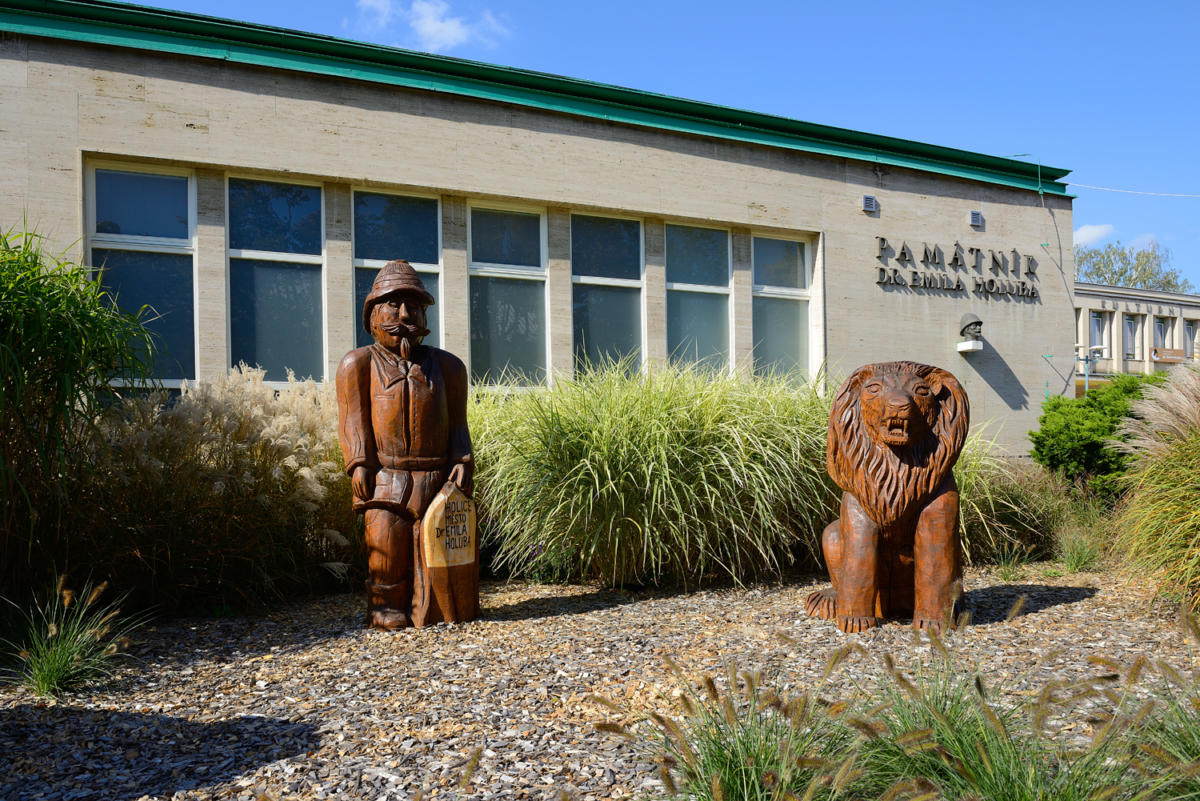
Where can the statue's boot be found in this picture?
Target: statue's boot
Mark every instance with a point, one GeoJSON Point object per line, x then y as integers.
{"type": "Point", "coordinates": [388, 605]}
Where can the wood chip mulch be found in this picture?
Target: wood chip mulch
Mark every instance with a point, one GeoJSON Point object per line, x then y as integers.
{"type": "Point", "coordinates": [307, 704]}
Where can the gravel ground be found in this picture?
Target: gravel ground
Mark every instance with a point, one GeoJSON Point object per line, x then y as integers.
{"type": "Point", "coordinates": [307, 704]}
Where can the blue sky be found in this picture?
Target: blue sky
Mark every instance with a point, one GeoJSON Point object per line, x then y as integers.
{"type": "Point", "coordinates": [1108, 90]}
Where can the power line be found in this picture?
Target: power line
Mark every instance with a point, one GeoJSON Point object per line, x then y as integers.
{"type": "Point", "coordinates": [1130, 191]}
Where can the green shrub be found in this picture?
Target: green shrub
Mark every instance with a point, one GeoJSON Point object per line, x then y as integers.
{"type": "Point", "coordinates": [1074, 435]}
{"type": "Point", "coordinates": [70, 640]}
{"type": "Point", "coordinates": [62, 341]}
{"type": "Point", "coordinates": [231, 495]}
{"type": "Point", "coordinates": [667, 476]}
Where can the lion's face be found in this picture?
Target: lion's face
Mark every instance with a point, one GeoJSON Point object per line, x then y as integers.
{"type": "Point", "coordinates": [895, 431]}
{"type": "Point", "coordinates": [898, 409]}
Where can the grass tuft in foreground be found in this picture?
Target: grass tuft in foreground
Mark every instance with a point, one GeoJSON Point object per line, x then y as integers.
{"type": "Point", "coordinates": [70, 640]}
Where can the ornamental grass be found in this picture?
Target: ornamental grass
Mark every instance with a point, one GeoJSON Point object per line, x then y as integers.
{"type": "Point", "coordinates": [62, 341]}
{"type": "Point", "coordinates": [935, 732]}
{"type": "Point", "coordinates": [1158, 522]}
{"type": "Point", "coordinates": [663, 477]}
{"type": "Point", "coordinates": [71, 639]}
{"type": "Point", "coordinates": [228, 496]}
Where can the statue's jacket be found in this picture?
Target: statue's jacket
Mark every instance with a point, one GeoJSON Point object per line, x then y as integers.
{"type": "Point", "coordinates": [405, 421]}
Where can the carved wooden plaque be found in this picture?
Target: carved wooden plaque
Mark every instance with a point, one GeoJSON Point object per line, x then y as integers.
{"type": "Point", "coordinates": [448, 529]}
{"type": "Point", "coordinates": [447, 572]}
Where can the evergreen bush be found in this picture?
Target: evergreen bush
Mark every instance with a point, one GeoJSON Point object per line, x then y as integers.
{"type": "Point", "coordinates": [1073, 439]}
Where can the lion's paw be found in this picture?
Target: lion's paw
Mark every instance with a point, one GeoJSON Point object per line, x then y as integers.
{"type": "Point", "coordinates": [855, 623]}
{"type": "Point", "coordinates": [822, 604]}
{"type": "Point", "coordinates": [930, 624]}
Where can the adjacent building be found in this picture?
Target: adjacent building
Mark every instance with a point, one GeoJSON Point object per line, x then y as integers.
{"type": "Point", "coordinates": [246, 182]}
{"type": "Point", "coordinates": [1121, 330]}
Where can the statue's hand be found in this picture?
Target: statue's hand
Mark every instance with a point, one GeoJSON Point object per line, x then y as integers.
{"type": "Point", "coordinates": [463, 477]}
{"type": "Point", "coordinates": [360, 483]}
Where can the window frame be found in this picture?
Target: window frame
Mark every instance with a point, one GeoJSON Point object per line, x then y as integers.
{"type": "Point", "coordinates": [707, 289]}
{"type": "Point", "coordinates": [628, 283]}
{"type": "Point", "coordinates": [804, 295]}
{"type": "Point", "coordinates": [493, 270]}
{"type": "Point", "coordinates": [420, 267]}
{"type": "Point", "coordinates": [1134, 354]}
{"type": "Point", "coordinates": [1103, 317]}
{"type": "Point", "coordinates": [1189, 338]}
{"type": "Point", "coordinates": [1167, 324]}
{"type": "Point", "coordinates": [320, 259]}
{"type": "Point", "coordinates": [146, 244]}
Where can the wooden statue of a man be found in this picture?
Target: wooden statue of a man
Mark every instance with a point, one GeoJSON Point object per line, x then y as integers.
{"type": "Point", "coordinates": [402, 421]}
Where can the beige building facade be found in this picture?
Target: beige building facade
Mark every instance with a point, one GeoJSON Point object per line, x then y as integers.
{"type": "Point", "coordinates": [1119, 330]}
{"type": "Point", "coordinates": [246, 183]}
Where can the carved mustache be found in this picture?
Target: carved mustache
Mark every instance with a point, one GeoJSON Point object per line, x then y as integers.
{"type": "Point", "coordinates": [401, 329]}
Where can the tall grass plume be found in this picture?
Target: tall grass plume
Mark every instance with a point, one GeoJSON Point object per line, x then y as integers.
{"type": "Point", "coordinates": [662, 477]}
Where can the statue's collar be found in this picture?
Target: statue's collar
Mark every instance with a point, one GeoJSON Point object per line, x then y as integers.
{"type": "Point", "coordinates": [394, 369]}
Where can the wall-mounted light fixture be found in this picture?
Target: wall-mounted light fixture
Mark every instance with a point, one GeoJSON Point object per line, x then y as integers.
{"type": "Point", "coordinates": [976, 219]}
{"type": "Point", "coordinates": [870, 204]}
{"type": "Point", "coordinates": [970, 328]}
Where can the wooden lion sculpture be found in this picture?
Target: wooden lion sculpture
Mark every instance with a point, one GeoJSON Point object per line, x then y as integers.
{"type": "Point", "coordinates": [895, 432]}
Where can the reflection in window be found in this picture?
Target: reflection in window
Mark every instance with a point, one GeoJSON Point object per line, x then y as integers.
{"type": "Point", "coordinates": [509, 238]}
{"type": "Point", "coordinates": [508, 296]}
{"type": "Point", "coordinates": [276, 317]}
{"type": "Point", "coordinates": [1096, 335]}
{"type": "Point", "coordinates": [388, 227]}
{"type": "Point", "coordinates": [780, 341]}
{"type": "Point", "coordinates": [508, 330]}
{"type": "Point", "coordinates": [275, 301]}
{"type": "Point", "coordinates": [141, 204]}
{"type": "Point", "coordinates": [264, 215]}
{"type": "Point", "coordinates": [606, 269]}
{"type": "Point", "coordinates": [698, 328]}
{"type": "Point", "coordinates": [1132, 346]}
{"type": "Point", "coordinates": [780, 307]}
{"type": "Point", "coordinates": [697, 296]}
{"type": "Point", "coordinates": [140, 240]}
{"type": "Point", "coordinates": [161, 284]}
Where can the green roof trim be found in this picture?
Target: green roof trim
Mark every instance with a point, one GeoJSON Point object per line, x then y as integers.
{"type": "Point", "coordinates": [141, 27]}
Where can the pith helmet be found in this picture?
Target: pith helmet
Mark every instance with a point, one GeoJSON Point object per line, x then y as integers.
{"type": "Point", "coordinates": [396, 276]}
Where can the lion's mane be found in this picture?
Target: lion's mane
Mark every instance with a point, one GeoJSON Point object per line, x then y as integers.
{"type": "Point", "coordinates": [888, 481]}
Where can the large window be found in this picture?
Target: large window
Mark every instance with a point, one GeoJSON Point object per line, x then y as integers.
{"type": "Point", "coordinates": [141, 228]}
{"type": "Point", "coordinates": [698, 275]}
{"type": "Point", "coordinates": [388, 227]}
{"type": "Point", "coordinates": [780, 306]}
{"type": "Point", "coordinates": [1189, 338]}
{"type": "Point", "coordinates": [275, 244]}
{"type": "Point", "coordinates": [606, 271]}
{"type": "Point", "coordinates": [508, 295]}
{"type": "Point", "coordinates": [1096, 334]}
{"type": "Point", "coordinates": [1162, 332]}
{"type": "Point", "coordinates": [1133, 339]}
